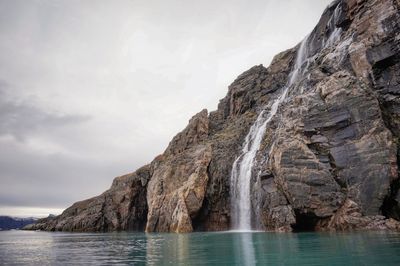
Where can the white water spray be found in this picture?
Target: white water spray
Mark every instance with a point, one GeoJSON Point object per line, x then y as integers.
{"type": "Point", "coordinates": [243, 165]}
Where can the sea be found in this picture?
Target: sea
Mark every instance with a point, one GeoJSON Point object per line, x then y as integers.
{"type": "Point", "coordinates": [200, 248]}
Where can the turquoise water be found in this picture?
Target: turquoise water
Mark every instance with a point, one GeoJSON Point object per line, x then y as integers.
{"type": "Point", "coordinates": [225, 248]}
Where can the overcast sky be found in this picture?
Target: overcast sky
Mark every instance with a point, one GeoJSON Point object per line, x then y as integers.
{"type": "Point", "coordinates": [90, 90]}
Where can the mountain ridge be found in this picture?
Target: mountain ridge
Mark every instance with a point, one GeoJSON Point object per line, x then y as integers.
{"type": "Point", "coordinates": [9, 222]}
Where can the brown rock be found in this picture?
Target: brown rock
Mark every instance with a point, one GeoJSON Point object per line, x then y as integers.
{"type": "Point", "coordinates": [177, 188]}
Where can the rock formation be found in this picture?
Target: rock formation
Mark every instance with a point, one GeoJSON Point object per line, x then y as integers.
{"type": "Point", "coordinates": [122, 207]}
{"type": "Point", "coordinates": [328, 159]}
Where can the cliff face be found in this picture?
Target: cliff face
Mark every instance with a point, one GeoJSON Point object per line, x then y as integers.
{"type": "Point", "coordinates": [328, 159]}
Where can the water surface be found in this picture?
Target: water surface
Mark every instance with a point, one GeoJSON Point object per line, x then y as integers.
{"type": "Point", "coordinates": [225, 248]}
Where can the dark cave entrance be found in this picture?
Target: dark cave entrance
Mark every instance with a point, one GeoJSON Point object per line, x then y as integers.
{"type": "Point", "coordinates": [390, 207]}
{"type": "Point", "coordinates": [305, 222]}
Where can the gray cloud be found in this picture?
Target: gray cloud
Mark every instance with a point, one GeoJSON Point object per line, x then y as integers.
{"type": "Point", "coordinates": [21, 119]}
{"type": "Point", "coordinates": [52, 180]}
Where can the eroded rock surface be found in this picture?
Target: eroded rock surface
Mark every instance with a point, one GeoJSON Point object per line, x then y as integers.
{"type": "Point", "coordinates": [179, 179]}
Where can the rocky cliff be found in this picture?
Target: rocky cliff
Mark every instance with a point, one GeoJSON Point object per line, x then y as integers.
{"type": "Point", "coordinates": [328, 159]}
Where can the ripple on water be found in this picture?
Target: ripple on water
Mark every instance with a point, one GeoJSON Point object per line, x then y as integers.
{"type": "Point", "coordinates": [233, 248]}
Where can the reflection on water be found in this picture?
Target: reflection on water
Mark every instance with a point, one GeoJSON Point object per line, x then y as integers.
{"type": "Point", "coordinates": [243, 242]}
{"type": "Point", "coordinates": [167, 248]}
{"type": "Point", "coordinates": [228, 248]}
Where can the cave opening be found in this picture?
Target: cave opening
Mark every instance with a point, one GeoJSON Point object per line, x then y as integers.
{"type": "Point", "coordinates": [390, 207]}
{"type": "Point", "coordinates": [305, 222]}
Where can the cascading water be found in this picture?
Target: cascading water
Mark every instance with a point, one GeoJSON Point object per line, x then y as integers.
{"type": "Point", "coordinates": [243, 165]}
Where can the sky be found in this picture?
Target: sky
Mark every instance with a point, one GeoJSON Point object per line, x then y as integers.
{"type": "Point", "coordinates": [90, 90]}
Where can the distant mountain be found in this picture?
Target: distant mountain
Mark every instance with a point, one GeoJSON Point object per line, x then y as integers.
{"type": "Point", "coordinates": [7, 222]}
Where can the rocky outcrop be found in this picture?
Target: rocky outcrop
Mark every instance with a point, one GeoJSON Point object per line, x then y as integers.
{"type": "Point", "coordinates": [350, 217]}
{"type": "Point", "coordinates": [177, 189]}
{"type": "Point", "coordinates": [122, 207]}
{"type": "Point", "coordinates": [178, 185]}
{"type": "Point", "coordinates": [328, 159]}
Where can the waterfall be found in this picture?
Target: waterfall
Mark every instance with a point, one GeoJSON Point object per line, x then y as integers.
{"type": "Point", "coordinates": [242, 167]}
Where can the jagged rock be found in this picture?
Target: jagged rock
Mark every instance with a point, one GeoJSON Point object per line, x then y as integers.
{"type": "Point", "coordinates": [349, 217]}
{"type": "Point", "coordinates": [194, 133]}
{"type": "Point", "coordinates": [176, 190]}
{"type": "Point", "coordinates": [328, 159]}
{"type": "Point", "coordinates": [275, 213]}
{"type": "Point", "coordinates": [122, 207]}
